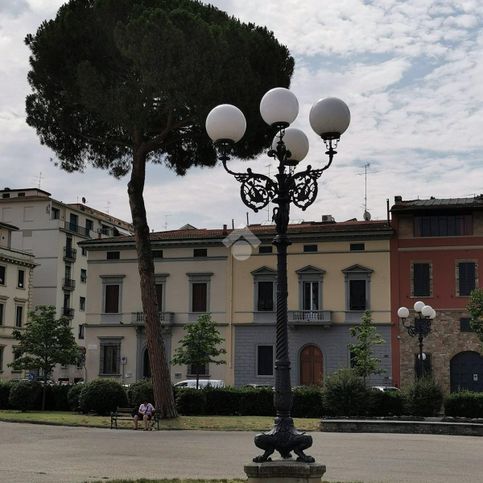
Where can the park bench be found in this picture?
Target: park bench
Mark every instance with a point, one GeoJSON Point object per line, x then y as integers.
{"type": "Point", "coordinates": [126, 414]}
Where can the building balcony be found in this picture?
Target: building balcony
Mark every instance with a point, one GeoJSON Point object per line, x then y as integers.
{"type": "Point", "coordinates": [70, 254]}
{"type": "Point", "coordinates": [68, 284]}
{"type": "Point", "coordinates": [78, 230]}
{"type": "Point", "coordinates": [310, 317]}
{"type": "Point", "coordinates": [68, 312]}
{"type": "Point", "coordinates": [165, 318]}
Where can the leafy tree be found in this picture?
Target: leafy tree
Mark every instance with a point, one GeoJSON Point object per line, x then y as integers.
{"type": "Point", "coordinates": [200, 345]}
{"type": "Point", "coordinates": [475, 308]}
{"type": "Point", "coordinates": [118, 83]}
{"type": "Point", "coordinates": [363, 359]}
{"type": "Point", "coordinates": [43, 343]}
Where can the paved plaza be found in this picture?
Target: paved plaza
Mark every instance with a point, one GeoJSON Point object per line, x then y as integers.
{"type": "Point", "coordinates": [50, 454]}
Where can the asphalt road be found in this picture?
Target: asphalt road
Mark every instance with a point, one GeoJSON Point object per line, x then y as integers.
{"type": "Point", "coordinates": [35, 453]}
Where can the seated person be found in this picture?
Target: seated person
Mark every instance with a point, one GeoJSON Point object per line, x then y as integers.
{"type": "Point", "coordinates": [145, 412]}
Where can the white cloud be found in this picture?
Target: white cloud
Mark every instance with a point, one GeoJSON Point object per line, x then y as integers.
{"type": "Point", "coordinates": [410, 71]}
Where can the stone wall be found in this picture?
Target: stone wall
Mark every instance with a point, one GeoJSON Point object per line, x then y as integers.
{"type": "Point", "coordinates": [443, 343]}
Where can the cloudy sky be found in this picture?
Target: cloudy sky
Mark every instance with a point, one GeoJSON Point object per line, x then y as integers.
{"type": "Point", "coordinates": [411, 72]}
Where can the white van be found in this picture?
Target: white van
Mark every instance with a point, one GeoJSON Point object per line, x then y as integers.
{"type": "Point", "coordinates": [202, 383]}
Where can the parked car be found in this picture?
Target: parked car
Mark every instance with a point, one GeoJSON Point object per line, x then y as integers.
{"type": "Point", "coordinates": [202, 383]}
{"type": "Point", "coordinates": [385, 388]}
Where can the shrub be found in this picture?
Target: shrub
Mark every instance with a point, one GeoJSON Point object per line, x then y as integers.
{"type": "Point", "coordinates": [424, 397]}
{"type": "Point", "coordinates": [73, 396]}
{"type": "Point", "coordinates": [308, 402]}
{"type": "Point", "coordinates": [256, 401]}
{"type": "Point", "coordinates": [140, 392]}
{"type": "Point", "coordinates": [346, 394]}
{"type": "Point", "coordinates": [387, 403]}
{"type": "Point", "coordinates": [223, 402]}
{"type": "Point", "coordinates": [4, 394]}
{"type": "Point", "coordinates": [464, 404]}
{"type": "Point", "coordinates": [23, 395]}
{"type": "Point", "coordinates": [102, 396]}
{"type": "Point", "coordinates": [191, 402]}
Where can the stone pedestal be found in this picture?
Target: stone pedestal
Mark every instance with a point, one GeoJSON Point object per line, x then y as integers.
{"type": "Point", "coordinates": [284, 471]}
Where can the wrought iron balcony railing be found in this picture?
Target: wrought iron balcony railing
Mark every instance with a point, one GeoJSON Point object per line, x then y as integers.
{"type": "Point", "coordinates": [315, 317]}
{"type": "Point", "coordinates": [165, 318]}
{"type": "Point", "coordinates": [68, 284]}
{"type": "Point", "coordinates": [70, 254]}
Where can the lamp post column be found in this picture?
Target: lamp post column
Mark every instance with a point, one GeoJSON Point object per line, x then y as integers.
{"type": "Point", "coordinates": [283, 390]}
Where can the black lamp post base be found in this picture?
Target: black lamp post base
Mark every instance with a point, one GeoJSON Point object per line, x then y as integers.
{"type": "Point", "coordinates": [283, 438]}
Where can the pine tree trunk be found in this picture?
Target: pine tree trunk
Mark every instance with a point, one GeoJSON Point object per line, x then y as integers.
{"type": "Point", "coordinates": [163, 393]}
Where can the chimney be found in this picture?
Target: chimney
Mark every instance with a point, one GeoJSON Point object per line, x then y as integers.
{"type": "Point", "coordinates": [328, 219]}
{"type": "Point", "coordinates": [398, 199]}
{"type": "Point", "coordinates": [225, 231]}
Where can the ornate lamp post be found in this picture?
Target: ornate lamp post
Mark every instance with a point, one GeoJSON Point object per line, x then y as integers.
{"type": "Point", "coordinates": [226, 125]}
{"type": "Point", "coordinates": [421, 327]}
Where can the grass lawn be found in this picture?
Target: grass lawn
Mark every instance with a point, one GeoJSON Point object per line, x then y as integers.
{"type": "Point", "coordinates": [205, 423]}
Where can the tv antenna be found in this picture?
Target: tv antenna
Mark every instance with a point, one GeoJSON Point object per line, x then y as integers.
{"type": "Point", "coordinates": [366, 215]}
{"type": "Point", "coordinates": [39, 179]}
{"type": "Point", "coordinates": [166, 222]}
{"type": "Point", "coordinates": [108, 207]}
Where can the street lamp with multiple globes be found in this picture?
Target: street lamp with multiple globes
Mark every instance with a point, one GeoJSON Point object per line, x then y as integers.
{"type": "Point", "coordinates": [226, 125]}
{"type": "Point", "coordinates": [421, 327]}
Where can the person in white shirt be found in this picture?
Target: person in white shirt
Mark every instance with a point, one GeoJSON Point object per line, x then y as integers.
{"type": "Point", "coordinates": [146, 413]}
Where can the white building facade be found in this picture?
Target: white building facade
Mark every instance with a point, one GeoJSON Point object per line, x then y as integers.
{"type": "Point", "coordinates": [50, 230]}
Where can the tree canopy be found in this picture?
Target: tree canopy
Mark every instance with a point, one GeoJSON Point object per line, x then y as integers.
{"type": "Point", "coordinates": [118, 83]}
{"type": "Point", "coordinates": [45, 342]}
{"type": "Point", "coordinates": [109, 74]}
{"type": "Point", "coordinates": [200, 345]}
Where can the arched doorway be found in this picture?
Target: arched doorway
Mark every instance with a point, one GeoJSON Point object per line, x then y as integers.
{"type": "Point", "coordinates": [466, 372]}
{"type": "Point", "coordinates": [311, 366]}
{"type": "Point", "coordinates": [146, 365]}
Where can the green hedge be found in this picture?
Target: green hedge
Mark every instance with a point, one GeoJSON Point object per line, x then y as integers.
{"type": "Point", "coordinates": [140, 392]}
{"type": "Point", "coordinates": [464, 404]}
{"type": "Point", "coordinates": [191, 402]}
{"type": "Point", "coordinates": [4, 394]}
{"type": "Point", "coordinates": [387, 403]}
{"type": "Point", "coordinates": [308, 402]}
{"type": "Point", "coordinates": [102, 396]}
{"type": "Point", "coordinates": [24, 395]}
{"type": "Point", "coordinates": [424, 397]}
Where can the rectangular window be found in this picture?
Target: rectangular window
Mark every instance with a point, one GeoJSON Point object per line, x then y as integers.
{"type": "Point", "coordinates": [265, 249]}
{"type": "Point", "coordinates": [110, 358]}
{"type": "Point", "coordinates": [421, 279]}
{"type": "Point", "coordinates": [198, 369]}
{"type": "Point", "coordinates": [82, 304]}
{"type": "Point", "coordinates": [2, 309]}
{"type": "Point", "coordinates": [466, 278]}
{"type": "Point", "coordinates": [157, 253]}
{"type": "Point", "coordinates": [357, 295]}
{"type": "Point", "coordinates": [357, 247]}
{"type": "Point", "coordinates": [84, 252]}
{"type": "Point", "coordinates": [310, 248]}
{"type": "Point", "coordinates": [81, 331]}
{"type": "Point", "coordinates": [83, 275]}
{"type": "Point", "coordinates": [159, 296]}
{"type": "Point", "coordinates": [200, 252]}
{"type": "Point", "coordinates": [21, 279]}
{"type": "Point", "coordinates": [265, 360]}
{"type": "Point", "coordinates": [55, 213]}
{"type": "Point", "coordinates": [111, 303]}
{"type": "Point", "coordinates": [1, 359]}
{"type": "Point", "coordinates": [5, 195]}
{"type": "Point", "coordinates": [310, 296]}
{"type": "Point", "coordinates": [18, 316]}
{"type": "Point", "coordinates": [89, 225]}
{"type": "Point", "coordinates": [199, 301]}
{"type": "Point", "coordinates": [443, 225]}
{"type": "Point", "coordinates": [113, 255]}
{"type": "Point", "coordinates": [265, 296]}
{"type": "Point", "coordinates": [2, 274]}
{"type": "Point", "coordinates": [465, 325]}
